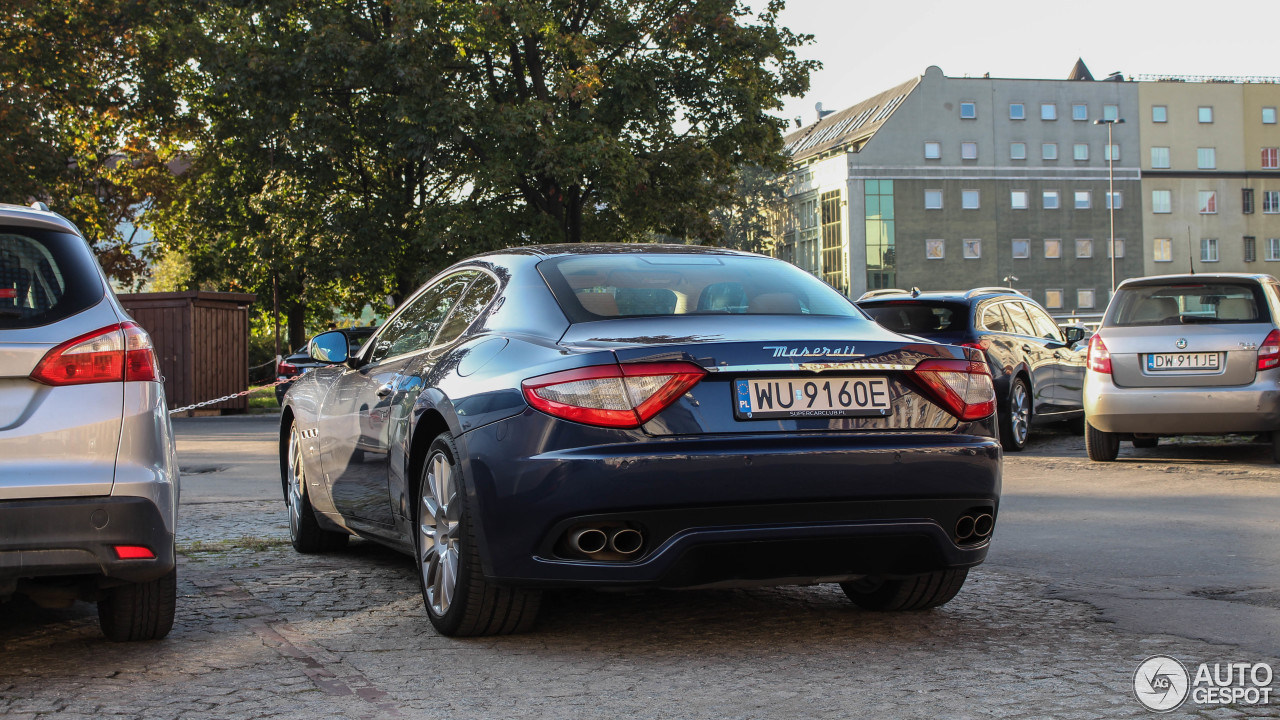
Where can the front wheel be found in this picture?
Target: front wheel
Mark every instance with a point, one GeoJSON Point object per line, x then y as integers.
{"type": "Point", "coordinates": [1015, 419]}
{"type": "Point", "coordinates": [1101, 446]}
{"type": "Point", "coordinates": [304, 531]}
{"type": "Point", "coordinates": [139, 611]}
{"type": "Point", "coordinates": [918, 592]}
{"type": "Point", "coordinates": [458, 599]}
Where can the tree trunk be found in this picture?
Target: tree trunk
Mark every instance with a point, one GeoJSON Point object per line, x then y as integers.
{"type": "Point", "coordinates": [297, 318]}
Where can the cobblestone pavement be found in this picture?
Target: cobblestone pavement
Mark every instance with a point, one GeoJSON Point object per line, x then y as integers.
{"type": "Point", "coordinates": [263, 632]}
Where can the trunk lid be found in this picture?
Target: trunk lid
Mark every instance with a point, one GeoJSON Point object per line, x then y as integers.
{"type": "Point", "coordinates": [1137, 353]}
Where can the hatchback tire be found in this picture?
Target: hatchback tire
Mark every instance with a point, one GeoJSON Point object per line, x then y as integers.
{"type": "Point", "coordinates": [139, 611]}
{"type": "Point", "coordinates": [458, 599]}
{"type": "Point", "coordinates": [1101, 446]}
{"type": "Point", "coordinates": [918, 592]}
{"type": "Point", "coordinates": [304, 530]}
{"type": "Point", "coordinates": [1015, 419]}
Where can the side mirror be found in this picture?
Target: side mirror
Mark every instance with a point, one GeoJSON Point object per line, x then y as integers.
{"type": "Point", "coordinates": [1074, 334]}
{"type": "Point", "coordinates": [329, 347]}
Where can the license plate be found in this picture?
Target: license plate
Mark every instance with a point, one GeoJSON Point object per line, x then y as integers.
{"type": "Point", "coordinates": [798, 397]}
{"type": "Point", "coordinates": [1183, 361]}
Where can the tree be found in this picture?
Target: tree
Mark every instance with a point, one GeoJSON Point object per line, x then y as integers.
{"type": "Point", "coordinates": [750, 221]}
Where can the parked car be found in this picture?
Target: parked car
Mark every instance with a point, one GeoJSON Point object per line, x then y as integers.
{"type": "Point", "coordinates": [88, 475]}
{"type": "Point", "coordinates": [1184, 354]}
{"type": "Point", "coordinates": [1038, 367]}
{"type": "Point", "coordinates": [643, 415]}
{"type": "Point", "coordinates": [300, 363]}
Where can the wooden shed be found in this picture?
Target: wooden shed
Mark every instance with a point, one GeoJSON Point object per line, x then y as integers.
{"type": "Point", "coordinates": [202, 342]}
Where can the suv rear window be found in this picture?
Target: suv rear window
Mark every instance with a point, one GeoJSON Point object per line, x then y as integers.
{"type": "Point", "coordinates": [1188, 302]}
{"type": "Point", "coordinates": [596, 287]}
{"type": "Point", "coordinates": [915, 317]}
{"type": "Point", "coordinates": [45, 276]}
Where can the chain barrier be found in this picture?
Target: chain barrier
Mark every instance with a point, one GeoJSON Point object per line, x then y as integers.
{"type": "Point", "coordinates": [225, 398]}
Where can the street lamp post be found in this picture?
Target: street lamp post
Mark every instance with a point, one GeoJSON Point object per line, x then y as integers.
{"type": "Point", "coordinates": [1111, 192]}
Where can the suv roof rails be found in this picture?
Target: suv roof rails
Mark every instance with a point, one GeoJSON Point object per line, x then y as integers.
{"type": "Point", "coordinates": [913, 292]}
{"type": "Point", "coordinates": [992, 290]}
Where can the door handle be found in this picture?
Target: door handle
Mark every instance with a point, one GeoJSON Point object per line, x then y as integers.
{"type": "Point", "coordinates": [1057, 354]}
{"type": "Point", "coordinates": [385, 390]}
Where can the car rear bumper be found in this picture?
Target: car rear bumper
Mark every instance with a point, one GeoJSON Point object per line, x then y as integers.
{"type": "Point", "coordinates": [67, 537]}
{"type": "Point", "coordinates": [713, 510]}
{"type": "Point", "coordinates": [1183, 411]}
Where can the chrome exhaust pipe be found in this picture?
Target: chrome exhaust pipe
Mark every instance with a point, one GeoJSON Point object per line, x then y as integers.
{"type": "Point", "coordinates": [983, 525]}
{"type": "Point", "coordinates": [964, 527]}
{"type": "Point", "coordinates": [588, 540]}
{"type": "Point", "coordinates": [626, 541]}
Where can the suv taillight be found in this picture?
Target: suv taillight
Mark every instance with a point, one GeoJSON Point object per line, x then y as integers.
{"type": "Point", "coordinates": [1269, 352]}
{"type": "Point", "coordinates": [1099, 356]}
{"type": "Point", "coordinates": [962, 386]}
{"type": "Point", "coordinates": [616, 396]}
{"type": "Point", "coordinates": [116, 353]}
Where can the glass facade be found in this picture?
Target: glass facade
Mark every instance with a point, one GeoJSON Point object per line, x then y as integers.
{"type": "Point", "coordinates": [881, 264]}
{"type": "Point", "coordinates": [833, 266]}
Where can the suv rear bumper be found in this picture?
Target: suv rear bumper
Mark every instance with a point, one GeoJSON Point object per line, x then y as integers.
{"type": "Point", "coordinates": [67, 537]}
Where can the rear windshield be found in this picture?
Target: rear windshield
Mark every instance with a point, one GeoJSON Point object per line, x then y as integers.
{"type": "Point", "coordinates": [914, 317]}
{"type": "Point", "coordinates": [45, 276]}
{"type": "Point", "coordinates": [595, 287]}
{"type": "Point", "coordinates": [1185, 303]}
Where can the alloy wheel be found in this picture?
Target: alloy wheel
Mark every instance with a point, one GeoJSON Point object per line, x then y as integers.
{"type": "Point", "coordinates": [1019, 412]}
{"type": "Point", "coordinates": [438, 519]}
{"type": "Point", "coordinates": [297, 478]}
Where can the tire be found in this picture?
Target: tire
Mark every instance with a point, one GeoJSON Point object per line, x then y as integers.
{"type": "Point", "coordinates": [304, 531]}
{"type": "Point", "coordinates": [1015, 418]}
{"type": "Point", "coordinates": [1101, 446]}
{"type": "Point", "coordinates": [139, 611]}
{"type": "Point", "coordinates": [1148, 442]}
{"type": "Point", "coordinates": [919, 592]}
{"type": "Point", "coordinates": [458, 599]}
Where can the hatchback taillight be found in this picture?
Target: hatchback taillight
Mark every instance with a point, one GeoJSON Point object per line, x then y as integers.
{"type": "Point", "coordinates": [1099, 356]}
{"type": "Point", "coordinates": [116, 353]}
{"type": "Point", "coordinates": [1269, 352]}
{"type": "Point", "coordinates": [962, 386]}
{"type": "Point", "coordinates": [625, 396]}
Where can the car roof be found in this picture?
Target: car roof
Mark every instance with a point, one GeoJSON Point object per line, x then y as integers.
{"type": "Point", "coordinates": [1197, 277]}
{"type": "Point", "coordinates": [959, 296]}
{"type": "Point", "coordinates": [33, 217]}
{"type": "Point", "coordinates": [548, 251]}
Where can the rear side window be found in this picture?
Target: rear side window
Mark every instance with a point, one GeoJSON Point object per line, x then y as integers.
{"type": "Point", "coordinates": [45, 276]}
{"type": "Point", "coordinates": [1021, 321]}
{"type": "Point", "coordinates": [597, 287]}
{"type": "Point", "coordinates": [993, 319]}
{"type": "Point", "coordinates": [915, 317]}
{"type": "Point", "coordinates": [1187, 303]}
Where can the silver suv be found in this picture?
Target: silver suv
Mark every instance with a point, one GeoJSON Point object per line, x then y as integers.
{"type": "Point", "coordinates": [1183, 355]}
{"type": "Point", "coordinates": [88, 475]}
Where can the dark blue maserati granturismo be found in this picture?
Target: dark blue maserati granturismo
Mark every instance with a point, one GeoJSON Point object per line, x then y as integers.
{"type": "Point", "coordinates": [643, 415]}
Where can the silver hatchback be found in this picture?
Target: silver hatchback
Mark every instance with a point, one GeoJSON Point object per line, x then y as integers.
{"type": "Point", "coordinates": [1184, 355]}
{"type": "Point", "coordinates": [88, 474]}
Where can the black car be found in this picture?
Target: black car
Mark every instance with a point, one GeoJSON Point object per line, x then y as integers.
{"type": "Point", "coordinates": [1038, 367]}
{"type": "Point", "coordinates": [300, 362]}
{"type": "Point", "coordinates": [637, 416]}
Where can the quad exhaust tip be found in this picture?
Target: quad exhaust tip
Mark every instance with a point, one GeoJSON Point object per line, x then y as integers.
{"type": "Point", "coordinates": [974, 526]}
{"type": "Point", "coordinates": [605, 543]}
{"type": "Point", "coordinates": [626, 541]}
{"type": "Point", "coordinates": [588, 540]}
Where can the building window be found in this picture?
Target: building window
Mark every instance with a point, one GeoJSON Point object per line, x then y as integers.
{"type": "Point", "coordinates": [1084, 299]}
{"type": "Point", "coordinates": [1018, 199]}
{"type": "Point", "coordinates": [1159, 114]}
{"type": "Point", "coordinates": [968, 110]}
{"type": "Point", "coordinates": [1206, 158]}
{"type": "Point", "coordinates": [969, 199]}
{"type": "Point", "coordinates": [1052, 249]}
{"type": "Point", "coordinates": [1053, 299]}
{"type": "Point", "coordinates": [1080, 151]}
{"type": "Point", "coordinates": [935, 249]}
{"type": "Point", "coordinates": [1112, 153]}
{"type": "Point", "coordinates": [1050, 199]}
{"type": "Point", "coordinates": [932, 199]}
{"type": "Point", "coordinates": [1084, 248]}
{"type": "Point", "coordinates": [1115, 200]}
{"type": "Point", "coordinates": [1246, 200]}
{"type": "Point", "coordinates": [1250, 249]}
{"type": "Point", "coordinates": [972, 249]}
{"type": "Point", "coordinates": [881, 263]}
{"type": "Point", "coordinates": [932, 150]}
{"type": "Point", "coordinates": [1161, 201]}
{"type": "Point", "coordinates": [833, 271]}
{"type": "Point", "coordinates": [1273, 249]}
{"type": "Point", "coordinates": [1208, 249]}
{"type": "Point", "coordinates": [1111, 113]}
{"type": "Point", "coordinates": [1269, 116]}
{"type": "Point", "coordinates": [1021, 249]}
{"type": "Point", "coordinates": [1079, 112]}
{"type": "Point", "coordinates": [1119, 247]}
{"type": "Point", "coordinates": [1017, 111]}
{"type": "Point", "coordinates": [1271, 158]}
{"type": "Point", "coordinates": [1271, 201]}
{"type": "Point", "coordinates": [1205, 113]}
{"type": "Point", "coordinates": [1017, 151]}
{"type": "Point", "coordinates": [1049, 151]}
{"type": "Point", "coordinates": [1208, 202]}
{"type": "Point", "coordinates": [1048, 111]}
{"type": "Point", "coordinates": [968, 151]}
{"type": "Point", "coordinates": [1162, 250]}
{"type": "Point", "coordinates": [1159, 157]}
{"type": "Point", "coordinates": [1084, 199]}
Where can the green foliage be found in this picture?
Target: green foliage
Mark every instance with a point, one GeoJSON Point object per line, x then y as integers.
{"type": "Point", "coordinates": [750, 220]}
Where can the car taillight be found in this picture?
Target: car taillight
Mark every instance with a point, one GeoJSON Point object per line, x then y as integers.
{"type": "Point", "coordinates": [1269, 352]}
{"type": "Point", "coordinates": [962, 386]}
{"type": "Point", "coordinates": [1099, 356]}
{"type": "Point", "coordinates": [615, 396]}
{"type": "Point", "coordinates": [116, 353]}
{"type": "Point", "coordinates": [134, 552]}
{"type": "Point", "coordinates": [285, 369]}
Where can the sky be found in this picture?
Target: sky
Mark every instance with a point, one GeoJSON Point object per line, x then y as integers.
{"type": "Point", "coordinates": [867, 46]}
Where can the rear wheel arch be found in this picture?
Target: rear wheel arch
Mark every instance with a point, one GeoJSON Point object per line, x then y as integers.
{"type": "Point", "coordinates": [429, 426]}
{"type": "Point", "coordinates": [286, 426]}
